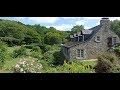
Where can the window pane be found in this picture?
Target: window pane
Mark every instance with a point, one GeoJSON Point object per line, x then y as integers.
{"type": "Point", "coordinates": [82, 53]}
{"type": "Point", "coordinates": [98, 38]}
{"type": "Point", "coordinates": [78, 53]}
{"type": "Point", "coordinates": [114, 40]}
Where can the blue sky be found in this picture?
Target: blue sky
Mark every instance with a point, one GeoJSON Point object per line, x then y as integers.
{"type": "Point", "coordinates": [60, 23]}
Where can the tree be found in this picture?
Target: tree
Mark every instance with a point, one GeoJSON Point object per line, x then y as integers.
{"type": "Point", "coordinates": [77, 28]}
{"type": "Point", "coordinates": [52, 38]}
{"type": "Point", "coordinates": [115, 25]}
{"type": "Point", "coordinates": [32, 37]}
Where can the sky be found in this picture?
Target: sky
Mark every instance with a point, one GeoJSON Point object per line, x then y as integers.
{"type": "Point", "coordinates": [61, 23]}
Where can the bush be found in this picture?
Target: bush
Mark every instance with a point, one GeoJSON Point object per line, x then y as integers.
{"type": "Point", "coordinates": [76, 67]}
{"type": "Point", "coordinates": [28, 66]}
{"type": "Point", "coordinates": [36, 49]}
{"type": "Point", "coordinates": [117, 50]}
{"type": "Point", "coordinates": [71, 67]}
{"type": "Point", "coordinates": [48, 56]}
{"type": "Point", "coordinates": [36, 55]}
{"type": "Point", "coordinates": [58, 58]}
{"type": "Point", "coordinates": [19, 52]}
{"type": "Point", "coordinates": [3, 54]}
{"type": "Point", "coordinates": [107, 63]}
{"type": "Point", "coordinates": [28, 46]}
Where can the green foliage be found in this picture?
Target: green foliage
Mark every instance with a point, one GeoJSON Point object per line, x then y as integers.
{"type": "Point", "coordinates": [46, 48]}
{"type": "Point", "coordinates": [17, 33]}
{"type": "Point", "coordinates": [71, 67]}
{"type": "Point", "coordinates": [48, 56]}
{"type": "Point", "coordinates": [32, 37]}
{"type": "Point", "coordinates": [115, 25]}
{"type": "Point", "coordinates": [3, 54]}
{"type": "Point", "coordinates": [77, 28]}
{"type": "Point", "coordinates": [36, 55]}
{"type": "Point", "coordinates": [36, 49]}
{"type": "Point", "coordinates": [19, 52]}
{"type": "Point", "coordinates": [28, 46]}
{"type": "Point", "coordinates": [107, 63]}
{"type": "Point", "coordinates": [117, 49]}
{"type": "Point", "coordinates": [58, 58]}
{"type": "Point", "coordinates": [52, 38]}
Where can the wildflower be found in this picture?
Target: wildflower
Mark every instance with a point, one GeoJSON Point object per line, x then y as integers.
{"type": "Point", "coordinates": [17, 66]}
{"type": "Point", "coordinates": [21, 70]}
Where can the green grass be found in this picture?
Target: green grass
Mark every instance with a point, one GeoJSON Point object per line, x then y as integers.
{"type": "Point", "coordinates": [11, 49]}
{"type": "Point", "coordinates": [92, 63]}
{"type": "Point", "coordinates": [11, 63]}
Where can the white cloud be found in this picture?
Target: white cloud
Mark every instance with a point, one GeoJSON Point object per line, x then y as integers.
{"type": "Point", "coordinates": [43, 19]}
{"type": "Point", "coordinates": [95, 18]}
{"type": "Point", "coordinates": [62, 27]}
{"type": "Point", "coordinates": [81, 22]}
{"type": "Point", "coordinates": [114, 18]}
{"type": "Point", "coordinates": [20, 17]}
{"type": "Point", "coordinates": [71, 17]}
{"type": "Point", "coordinates": [87, 27]}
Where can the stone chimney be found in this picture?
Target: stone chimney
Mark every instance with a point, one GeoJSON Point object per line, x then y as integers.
{"type": "Point", "coordinates": [105, 21]}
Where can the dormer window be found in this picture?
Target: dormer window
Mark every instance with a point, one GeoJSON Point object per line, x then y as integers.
{"type": "Point", "coordinates": [97, 39]}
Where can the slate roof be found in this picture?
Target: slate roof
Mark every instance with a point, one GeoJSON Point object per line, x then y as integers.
{"type": "Point", "coordinates": [89, 34]}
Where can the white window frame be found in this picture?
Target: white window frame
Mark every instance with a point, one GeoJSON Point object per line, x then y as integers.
{"type": "Point", "coordinates": [113, 40]}
{"type": "Point", "coordinates": [96, 39]}
{"type": "Point", "coordinates": [79, 54]}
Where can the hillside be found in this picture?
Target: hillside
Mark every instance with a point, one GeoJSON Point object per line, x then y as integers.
{"type": "Point", "coordinates": [23, 47]}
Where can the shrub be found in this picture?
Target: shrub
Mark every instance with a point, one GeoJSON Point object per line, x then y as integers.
{"type": "Point", "coordinates": [117, 50]}
{"type": "Point", "coordinates": [36, 49]}
{"type": "Point", "coordinates": [27, 66]}
{"type": "Point", "coordinates": [45, 48]}
{"type": "Point", "coordinates": [36, 55]}
{"type": "Point", "coordinates": [3, 54]}
{"type": "Point", "coordinates": [58, 57]}
{"type": "Point", "coordinates": [28, 46]}
{"type": "Point", "coordinates": [76, 67]}
{"type": "Point", "coordinates": [19, 52]}
{"type": "Point", "coordinates": [107, 63]}
{"type": "Point", "coordinates": [48, 56]}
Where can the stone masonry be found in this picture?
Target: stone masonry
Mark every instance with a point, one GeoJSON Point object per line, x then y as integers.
{"type": "Point", "coordinates": [91, 47]}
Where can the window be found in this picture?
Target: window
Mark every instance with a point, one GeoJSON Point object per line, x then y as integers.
{"type": "Point", "coordinates": [80, 53]}
{"type": "Point", "coordinates": [66, 51]}
{"type": "Point", "coordinates": [114, 40]}
{"type": "Point", "coordinates": [97, 39]}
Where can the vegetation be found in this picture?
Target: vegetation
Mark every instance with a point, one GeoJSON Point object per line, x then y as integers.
{"type": "Point", "coordinates": [38, 45]}
{"type": "Point", "coordinates": [117, 50]}
{"type": "Point", "coordinates": [27, 66]}
{"type": "Point", "coordinates": [107, 63]}
{"type": "Point", "coordinates": [19, 52]}
{"type": "Point", "coordinates": [3, 54]}
{"type": "Point", "coordinates": [77, 28]}
{"type": "Point", "coordinates": [115, 25]}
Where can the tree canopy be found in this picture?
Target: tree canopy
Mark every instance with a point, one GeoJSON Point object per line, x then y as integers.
{"type": "Point", "coordinates": [77, 28]}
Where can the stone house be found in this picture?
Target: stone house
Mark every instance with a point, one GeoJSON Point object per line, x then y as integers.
{"type": "Point", "coordinates": [88, 44]}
